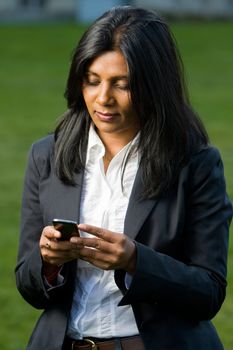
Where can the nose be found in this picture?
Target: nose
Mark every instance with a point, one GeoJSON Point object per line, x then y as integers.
{"type": "Point", "coordinates": [105, 95]}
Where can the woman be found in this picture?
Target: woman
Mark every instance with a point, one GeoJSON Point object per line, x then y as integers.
{"type": "Point", "coordinates": [131, 162]}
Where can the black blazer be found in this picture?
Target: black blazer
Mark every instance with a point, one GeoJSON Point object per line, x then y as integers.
{"type": "Point", "coordinates": [181, 240]}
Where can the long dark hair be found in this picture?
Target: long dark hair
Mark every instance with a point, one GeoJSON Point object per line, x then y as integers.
{"type": "Point", "coordinates": [170, 130]}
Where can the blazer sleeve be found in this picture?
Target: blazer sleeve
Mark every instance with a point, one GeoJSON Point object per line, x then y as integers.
{"type": "Point", "coordinates": [194, 285]}
{"type": "Point", "coordinates": [29, 278]}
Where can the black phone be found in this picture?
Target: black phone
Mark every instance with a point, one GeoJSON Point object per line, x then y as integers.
{"type": "Point", "coordinates": [68, 228]}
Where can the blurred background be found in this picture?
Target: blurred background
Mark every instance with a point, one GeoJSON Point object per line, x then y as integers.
{"type": "Point", "coordinates": [36, 42]}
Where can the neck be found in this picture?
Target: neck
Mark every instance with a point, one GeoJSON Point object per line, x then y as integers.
{"type": "Point", "coordinates": [113, 143]}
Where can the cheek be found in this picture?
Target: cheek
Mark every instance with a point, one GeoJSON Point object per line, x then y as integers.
{"type": "Point", "coordinates": [127, 107]}
{"type": "Point", "coordinates": [87, 99]}
{"type": "Point", "coordinates": [124, 102]}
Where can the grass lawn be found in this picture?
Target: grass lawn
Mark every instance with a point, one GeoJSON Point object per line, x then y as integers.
{"type": "Point", "coordinates": [34, 65]}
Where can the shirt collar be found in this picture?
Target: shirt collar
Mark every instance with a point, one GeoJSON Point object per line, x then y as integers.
{"type": "Point", "coordinates": [96, 147]}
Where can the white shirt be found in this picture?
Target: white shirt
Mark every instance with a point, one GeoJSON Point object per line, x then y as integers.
{"type": "Point", "coordinates": [104, 203]}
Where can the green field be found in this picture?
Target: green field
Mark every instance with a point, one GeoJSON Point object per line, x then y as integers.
{"type": "Point", "coordinates": [34, 65]}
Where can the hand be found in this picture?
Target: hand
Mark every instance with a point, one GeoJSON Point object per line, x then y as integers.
{"type": "Point", "coordinates": [107, 250]}
{"type": "Point", "coordinates": [55, 252]}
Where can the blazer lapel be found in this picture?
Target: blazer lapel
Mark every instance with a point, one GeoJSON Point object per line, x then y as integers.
{"type": "Point", "coordinates": [62, 201]}
{"type": "Point", "coordinates": [138, 209]}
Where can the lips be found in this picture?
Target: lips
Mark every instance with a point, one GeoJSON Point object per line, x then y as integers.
{"type": "Point", "coordinates": [106, 116]}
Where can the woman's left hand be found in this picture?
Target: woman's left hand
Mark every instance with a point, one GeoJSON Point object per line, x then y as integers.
{"type": "Point", "coordinates": [107, 250]}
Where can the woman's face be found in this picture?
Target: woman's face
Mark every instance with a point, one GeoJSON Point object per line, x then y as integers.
{"type": "Point", "coordinates": [107, 96]}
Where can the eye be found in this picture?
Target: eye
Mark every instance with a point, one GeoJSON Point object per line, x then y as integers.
{"type": "Point", "coordinates": [122, 86]}
{"type": "Point", "coordinates": [91, 82]}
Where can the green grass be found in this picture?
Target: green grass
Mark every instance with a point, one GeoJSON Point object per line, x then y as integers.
{"type": "Point", "coordinates": [34, 65]}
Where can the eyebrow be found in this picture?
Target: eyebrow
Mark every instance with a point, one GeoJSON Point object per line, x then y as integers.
{"type": "Point", "coordinates": [117, 77]}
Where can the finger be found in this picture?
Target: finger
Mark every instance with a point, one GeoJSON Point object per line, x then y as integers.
{"type": "Point", "coordinates": [94, 256]}
{"type": "Point", "coordinates": [59, 257]}
{"type": "Point", "coordinates": [50, 233]}
{"type": "Point", "coordinates": [99, 232]}
{"type": "Point", "coordinates": [85, 241]}
{"type": "Point", "coordinates": [96, 243]}
{"type": "Point", "coordinates": [99, 259]}
{"type": "Point", "coordinates": [48, 244]}
{"type": "Point", "coordinates": [62, 246]}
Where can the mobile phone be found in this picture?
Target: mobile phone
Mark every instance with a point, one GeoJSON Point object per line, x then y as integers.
{"type": "Point", "coordinates": [68, 228]}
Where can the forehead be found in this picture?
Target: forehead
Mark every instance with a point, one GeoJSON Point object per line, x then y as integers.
{"type": "Point", "coordinates": [110, 63]}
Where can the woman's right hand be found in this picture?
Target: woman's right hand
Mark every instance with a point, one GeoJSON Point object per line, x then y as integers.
{"type": "Point", "coordinates": [54, 251]}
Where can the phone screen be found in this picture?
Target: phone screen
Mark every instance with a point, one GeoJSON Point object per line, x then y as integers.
{"type": "Point", "coordinates": [67, 228]}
